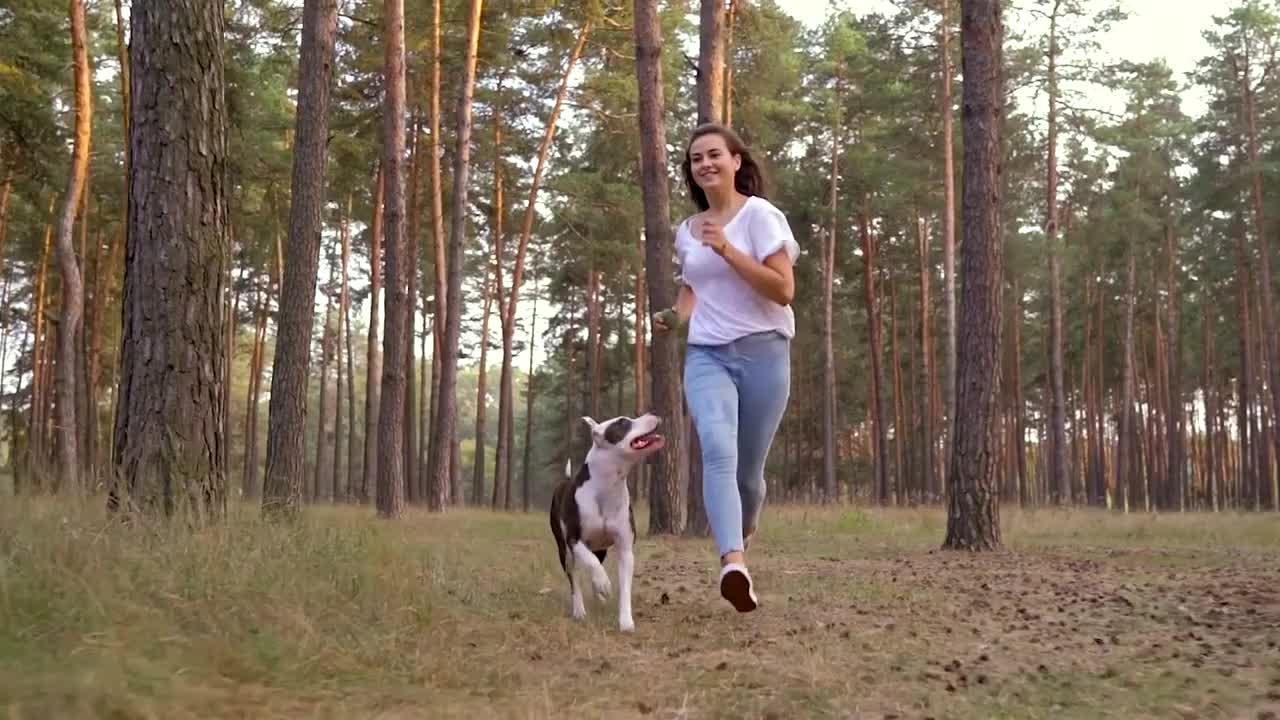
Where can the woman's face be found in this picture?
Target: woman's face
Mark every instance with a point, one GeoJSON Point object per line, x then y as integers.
{"type": "Point", "coordinates": [711, 162]}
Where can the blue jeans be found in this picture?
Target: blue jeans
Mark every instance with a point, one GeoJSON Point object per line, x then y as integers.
{"type": "Point", "coordinates": [736, 394]}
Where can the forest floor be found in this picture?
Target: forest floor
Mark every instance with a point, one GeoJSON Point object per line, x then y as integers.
{"type": "Point", "coordinates": [1084, 615]}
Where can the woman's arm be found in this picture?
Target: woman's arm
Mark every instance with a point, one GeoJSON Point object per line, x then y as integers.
{"type": "Point", "coordinates": [773, 278]}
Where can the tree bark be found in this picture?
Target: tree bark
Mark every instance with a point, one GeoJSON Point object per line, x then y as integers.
{"type": "Point", "coordinates": [727, 103]}
{"type": "Point", "coordinates": [350, 481]}
{"type": "Point", "coordinates": [325, 456]}
{"type": "Point", "coordinates": [528, 407]}
{"type": "Point", "coordinates": [1174, 413]}
{"type": "Point", "coordinates": [439, 242]}
{"type": "Point", "coordinates": [502, 455]}
{"type": "Point", "coordinates": [665, 516]}
{"type": "Point", "coordinates": [973, 518]}
{"type": "Point", "coordinates": [948, 240]}
{"type": "Point", "coordinates": [249, 476]}
{"type": "Point", "coordinates": [446, 416]}
{"type": "Point", "coordinates": [927, 381]}
{"type": "Point", "coordinates": [830, 481]}
{"type": "Point", "coordinates": [506, 397]}
{"type": "Point", "coordinates": [5, 190]}
{"type": "Point", "coordinates": [168, 433]}
{"type": "Point", "coordinates": [1270, 351]}
{"type": "Point", "coordinates": [69, 429]}
{"type": "Point", "coordinates": [901, 425]}
{"type": "Point", "coordinates": [879, 431]}
{"type": "Point", "coordinates": [390, 490]}
{"type": "Point", "coordinates": [373, 364]}
{"type": "Point", "coordinates": [1058, 480]}
{"type": "Point", "coordinates": [478, 461]}
{"type": "Point", "coordinates": [711, 61]}
{"type": "Point", "coordinates": [414, 489]}
{"type": "Point", "coordinates": [39, 349]}
{"type": "Point", "coordinates": [287, 407]}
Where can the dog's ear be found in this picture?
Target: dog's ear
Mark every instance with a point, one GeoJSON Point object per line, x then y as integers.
{"type": "Point", "coordinates": [590, 423]}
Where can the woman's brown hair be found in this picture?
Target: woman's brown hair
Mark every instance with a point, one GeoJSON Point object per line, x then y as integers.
{"type": "Point", "coordinates": [749, 180]}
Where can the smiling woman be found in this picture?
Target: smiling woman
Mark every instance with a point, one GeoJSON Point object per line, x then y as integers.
{"type": "Point", "coordinates": [736, 259]}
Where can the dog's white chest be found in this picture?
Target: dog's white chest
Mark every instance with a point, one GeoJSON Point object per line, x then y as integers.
{"type": "Point", "coordinates": [603, 518]}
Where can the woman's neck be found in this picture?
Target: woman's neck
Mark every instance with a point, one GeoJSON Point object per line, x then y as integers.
{"type": "Point", "coordinates": [722, 201]}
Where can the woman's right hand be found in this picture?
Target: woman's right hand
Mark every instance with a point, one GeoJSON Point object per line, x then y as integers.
{"type": "Point", "coordinates": [665, 321]}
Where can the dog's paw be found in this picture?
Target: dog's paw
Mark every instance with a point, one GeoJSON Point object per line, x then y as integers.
{"type": "Point", "coordinates": [578, 610]}
{"type": "Point", "coordinates": [600, 582]}
{"type": "Point", "coordinates": [627, 625]}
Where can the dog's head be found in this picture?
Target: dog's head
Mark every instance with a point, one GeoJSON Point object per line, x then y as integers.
{"type": "Point", "coordinates": [629, 438]}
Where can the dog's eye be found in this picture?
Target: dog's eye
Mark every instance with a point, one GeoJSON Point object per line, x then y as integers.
{"type": "Point", "coordinates": [617, 430]}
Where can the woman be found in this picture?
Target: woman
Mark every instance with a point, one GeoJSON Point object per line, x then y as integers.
{"type": "Point", "coordinates": [736, 259]}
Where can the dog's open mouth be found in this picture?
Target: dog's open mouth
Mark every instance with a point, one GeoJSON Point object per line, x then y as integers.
{"type": "Point", "coordinates": [646, 441]}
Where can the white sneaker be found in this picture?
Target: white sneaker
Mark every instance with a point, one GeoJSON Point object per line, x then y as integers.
{"type": "Point", "coordinates": [735, 586]}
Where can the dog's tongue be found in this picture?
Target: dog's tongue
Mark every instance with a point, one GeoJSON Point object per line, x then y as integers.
{"type": "Point", "coordinates": [645, 441]}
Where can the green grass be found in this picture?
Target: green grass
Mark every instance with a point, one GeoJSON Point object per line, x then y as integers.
{"type": "Point", "coordinates": [465, 615]}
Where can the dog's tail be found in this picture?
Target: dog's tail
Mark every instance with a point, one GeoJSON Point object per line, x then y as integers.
{"type": "Point", "coordinates": [568, 468]}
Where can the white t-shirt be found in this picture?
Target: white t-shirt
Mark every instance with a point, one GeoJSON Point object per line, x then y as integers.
{"type": "Point", "coordinates": [727, 307]}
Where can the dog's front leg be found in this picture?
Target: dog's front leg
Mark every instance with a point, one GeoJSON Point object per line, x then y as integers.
{"type": "Point", "coordinates": [626, 566]}
{"type": "Point", "coordinates": [599, 578]}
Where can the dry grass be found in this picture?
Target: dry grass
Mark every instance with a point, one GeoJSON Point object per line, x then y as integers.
{"type": "Point", "coordinates": [1086, 615]}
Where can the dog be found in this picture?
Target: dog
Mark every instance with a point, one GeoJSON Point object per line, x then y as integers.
{"type": "Point", "coordinates": [591, 511]}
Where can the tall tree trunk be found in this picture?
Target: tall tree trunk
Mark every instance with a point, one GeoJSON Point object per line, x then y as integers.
{"type": "Point", "coordinates": [389, 491]}
{"type": "Point", "coordinates": [880, 449]}
{"type": "Point", "coordinates": [350, 483]}
{"type": "Point", "coordinates": [1176, 431]}
{"type": "Point", "coordinates": [414, 491]}
{"type": "Point", "coordinates": [439, 242]}
{"type": "Point", "coordinates": [249, 476]}
{"type": "Point", "coordinates": [948, 241]}
{"type": "Point", "coordinates": [595, 314]}
{"type": "Point", "coordinates": [973, 518]}
{"type": "Point", "coordinates": [6, 189]}
{"type": "Point", "coordinates": [373, 364]}
{"type": "Point", "coordinates": [664, 499]}
{"type": "Point", "coordinates": [528, 407]}
{"type": "Point", "coordinates": [287, 407]}
{"type": "Point", "coordinates": [341, 464]}
{"type": "Point", "coordinates": [506, 397]}
{"type": "Point", "coordinates": [39, 349]}
{"type": "Point", "coordinates": [1244, 400]}
{"type": "Point", "coordinates": [1059, 481]}
{"type": "Point", "coordinates": [324, 470]}
{"type": "Point", "coordinates": [482, 404]}
{"type": "Point", "coordinates": [731, 19]}
{"type": "Point", "coordinates": [1124, 452]}
{"type": "Point", "coordinates": [502, 454]}
{"type": "Point", "coordinates": [901, 424]}
{"type": "Point", "coordinates": [443, 445]}
{"type": "Point", "coordinates": [169, 435]}
{"type": "Point", "coordinates": [1211, 414]}
{"type": "Point", "coordinates": [638, 365]}
{"type": "Point", "coordinates": [69, 429]}
{"type": "Point", "coordinates": [830, 481]}
{"type": "Point", "coordinates": [1270, 352]}
{"type": "Point", "coordinates": [927, 379]}
{"type": "Point", "coordinates": [711, 61]}
{"type": "Point", "coordinates": [122, 56]}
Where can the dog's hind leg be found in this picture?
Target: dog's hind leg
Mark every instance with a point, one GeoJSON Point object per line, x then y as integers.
{"type": "Point", "coordinates": [626, 566]}
{"type": "Point", "coordinates": [599, 578]}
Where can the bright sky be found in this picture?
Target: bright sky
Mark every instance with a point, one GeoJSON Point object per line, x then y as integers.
{"type": "Point", "coordinates": [1156, 28]}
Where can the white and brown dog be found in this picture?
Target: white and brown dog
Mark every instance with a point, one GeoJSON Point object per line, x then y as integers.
{"type": "Point", "coordinates": [591, 511]}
